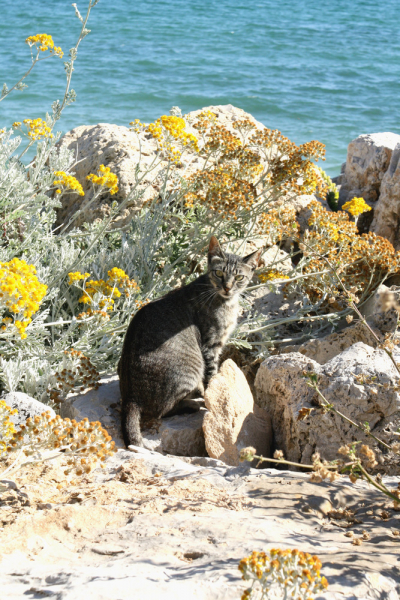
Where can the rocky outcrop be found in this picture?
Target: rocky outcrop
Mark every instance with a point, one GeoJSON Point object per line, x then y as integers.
{"type": "Point", "coordinates": [368, 158]}
{"type": "Point", "coordinates": [361, 382]}
{"type": "Point", "coordinates": [129, 156]}
{"type": "Point", "coordinates": [233, 422]}
{"type": "Point", "coordinates": [181, 435]}
{"type": "Point", "coordinates": [26, 407]}
{"type": "Point", "coordinates": [386, 221]}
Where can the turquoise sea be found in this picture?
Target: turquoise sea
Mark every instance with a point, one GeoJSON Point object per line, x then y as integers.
{"type": "Point", "coordinates": [315, 69]}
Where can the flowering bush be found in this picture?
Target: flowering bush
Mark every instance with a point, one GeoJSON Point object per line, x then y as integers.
{"type": "Point", "coordinates": [7, 428]}
{"type": "Point", "coordinates": [68, 293]}
{"type": "Point", "coordinates": [44, 438]}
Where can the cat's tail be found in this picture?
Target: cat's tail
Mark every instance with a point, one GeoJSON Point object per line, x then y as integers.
{"type": "Point", "coordinates": [130, 423]}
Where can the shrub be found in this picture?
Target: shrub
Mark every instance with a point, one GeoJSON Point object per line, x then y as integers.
{"type": "Point", "coordinates": [69, 293]}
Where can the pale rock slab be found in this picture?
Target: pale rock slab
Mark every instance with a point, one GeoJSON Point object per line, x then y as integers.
{"type": "Point", "coordinates": [368, 158]}
{"type": "Point", "coordinates": [232, 423]}
{"type": "Point", "coordinates": [386, 221]}
{"type": "Point", "coordinates": [180, 435]}
{"type": "Point", "coordinates": [26, 406]}
{"type": "Point", "coordinates": [124, 152]}
{"type": "Point", "coordinates": [282, 392]}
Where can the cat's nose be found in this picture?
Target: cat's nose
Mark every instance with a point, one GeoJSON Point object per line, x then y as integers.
{"type": "Point", "coordinates": [227, 287]}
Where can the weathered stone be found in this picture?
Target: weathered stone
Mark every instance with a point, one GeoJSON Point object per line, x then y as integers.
{"type": "Point", "coordinates": [124, 151]}
{"type": "Point", "coordinates": [323, 349]}
{"type": "Point", "coordinates": [232, 423]}
{"type": "Point", "coordinates": [386, 221]}
{"type": "Point", "coordinates": [283, 391]}
{"type": "Point", "coordinates": [368, 158]}
{"type": "Point", "coordinates": [181, 435]}
{"type": "Point", "coordinates": [276, 258]}
{"type": "Point", "coordinates": [26, 406]}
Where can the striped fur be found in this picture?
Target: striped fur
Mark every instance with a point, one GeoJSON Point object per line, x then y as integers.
{"type": "Point", "coordinates": [172, 345]}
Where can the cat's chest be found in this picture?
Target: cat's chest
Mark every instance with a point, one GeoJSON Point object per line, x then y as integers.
{"type": "Point", "coordinates": [224, 321]}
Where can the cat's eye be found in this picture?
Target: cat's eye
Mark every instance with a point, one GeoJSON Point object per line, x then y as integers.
{"type": "Point", "coordinates": [219, 273]}
{"type": "Point", "coordinates": [239, 277]}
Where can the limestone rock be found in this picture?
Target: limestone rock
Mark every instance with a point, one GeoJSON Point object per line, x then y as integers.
{"type": "Point", "coordinates": [181, 435]}
{"type": "Point", "coordinates": [232, 423]}
{"type": "Point", "coordinates": [282, 391]}
{"type": "Point", "coordinates": [276, 258]}
{"type": "Point", "coordinates": [323, 349]}
{"type": "Point", "coordinates": [26, 406]}
{"type": "Point", "coordinates": [124, 151]}
{"type": "Point", "coordinates": [386, 221]}
{"type": "Point", "coordinates": [368, 158]}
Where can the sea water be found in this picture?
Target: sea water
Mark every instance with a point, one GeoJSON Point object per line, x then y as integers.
{"type": "Point", "coordinates": [314, 69]}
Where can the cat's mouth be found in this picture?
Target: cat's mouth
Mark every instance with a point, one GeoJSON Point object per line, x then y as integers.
{"type": "Point", "coordinates": [225, 294]}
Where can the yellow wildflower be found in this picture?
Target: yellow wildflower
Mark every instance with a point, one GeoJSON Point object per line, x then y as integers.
{"type": "Point", "coordinates": [272, 274]}
{"type": "Point", "coordinates": [77, 276]}
{"type": "Point", "coordinates": [44, 42]}
{"type": "Point", "coordinates": [21, 293]}
{"type": "Point", "coordinates": [356, 206]}
{"type": "Point", "coordinates": [164, 130]}
{"type": "Point", "coordinates": [37, 129]}
{"type": "Point", "coordinates": [105, 179]}
{"type": "Point", "coordinates": [68, 182]}
{"type": "Point", "coordinates": [7, 428]}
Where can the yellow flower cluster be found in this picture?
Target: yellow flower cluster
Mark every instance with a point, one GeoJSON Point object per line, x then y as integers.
{"type": "Point", "coordinates": [292, 572]}
{"type": "Point", "coordinates": [44, 42]}
{"type": "Point", "coordinates": [107, 291]}
{"type": "Point", "coordinates": [37, 128]}
{"type": "Point", "coordinates": [272, 274]}
{"type": "Point", "coordinates": [278, 224]}
{"type": "Point", "coordinates": [20, 293]}
{"type": "Point", "coordinates": [164, 130]}
{"type": "Point", "coordinates": [250, 167]}
{"type": "Point", "coordinates": [362, 260]}
{"type": "Point", "coordinates": [67, 182]}
{"type": "Point", "coordinates": [105, 179]}
{"type": "Point", "coordinates": [82, 444]}
{"type": "Point", "coordinates": [102, 292]}
{"type": "Point", "coordinates": [7, 428]}
{"type": "Point", "coordinates": [356, 206]}
{"type": "Point", "coordinates": [117, 276]}
{"type": "Point", "coordinates": [77, 276]}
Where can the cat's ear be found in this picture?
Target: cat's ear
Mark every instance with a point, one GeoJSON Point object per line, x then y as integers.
{"type": "Point", "coordinates": [214, 249]}
{"type": "Point", "coordinates": [253, 259]}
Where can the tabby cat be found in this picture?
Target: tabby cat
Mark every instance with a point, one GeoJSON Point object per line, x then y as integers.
{"type": "Point", "coordinates": [172, 345]}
